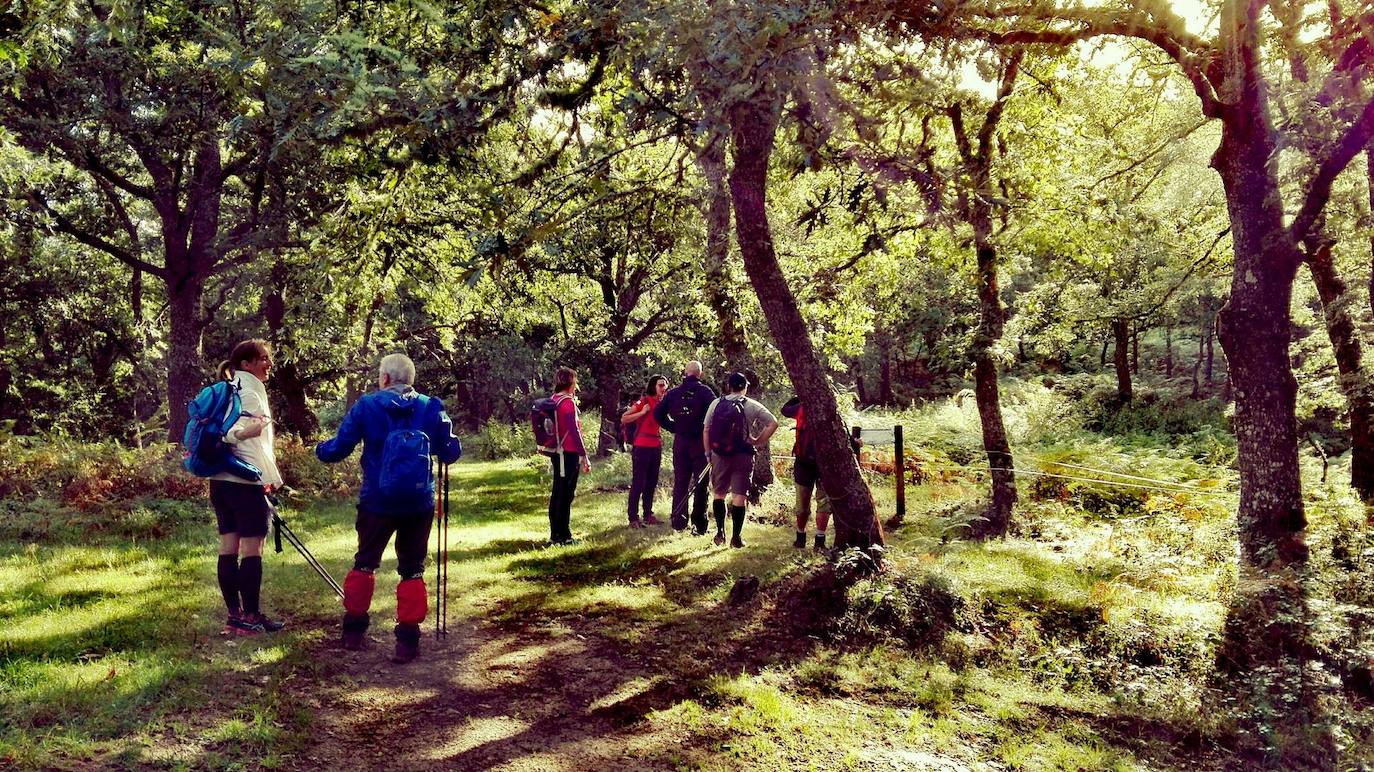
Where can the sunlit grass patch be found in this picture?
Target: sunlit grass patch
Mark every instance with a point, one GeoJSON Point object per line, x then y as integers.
{"type": "Point", "coordinates": [1048, 750]}
{"type": "Point", "coordinates": [648, 601]}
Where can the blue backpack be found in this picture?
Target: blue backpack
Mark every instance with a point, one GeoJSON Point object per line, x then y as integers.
{"type": "Point", "coordinates": [405, 475]}
{"type": "Point", "coordinates": [212, 414]}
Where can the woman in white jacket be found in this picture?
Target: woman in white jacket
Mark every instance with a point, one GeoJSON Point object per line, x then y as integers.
{"type": "Point", "coordinates": [241, 506]}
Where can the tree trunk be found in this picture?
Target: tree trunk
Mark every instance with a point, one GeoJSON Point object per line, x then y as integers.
{"type": "Point", "coordinates": [354, 384]}
{"type": "Point", "coordinates": [608, 399]}
{"type": "Point", "coordinates": [296, 415]}
{"type": "Point", "coordinates": [1369, 180]}
{"type": "Point", "coordinates": [1197, 362]}
{"type": "Point", "coordinates": [1254, 327]}
{"type": "Point", "coordinates": [1102, 356]}
{"type": "Point", "coordinates": [1209, 335]}
{"type": "Point", "coordinates": [6, 376]}
{"type": "Point", "coordinates": [1169, 351]}
{"type": "Point", "coordinates": [184, 355]}
{"type": "Point", "coordinates": [1345, 342]}
{"type": "Point", "coordinates": [753, 129]}
{"type": "Point", "coordinates": [995, 442]}
{"type": "Point", "coordinates": [1266, 628]}
{"type": "Point", "coordinates": [720, 294]}
{"type": "Point", "coordinates": [1120, 331]}
{"type": "Point", "coordinates": [1135, 350]}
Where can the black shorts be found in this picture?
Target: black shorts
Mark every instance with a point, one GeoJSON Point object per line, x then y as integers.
{"type": "Point", "coordinates": [240, 508]}
{"type": "Point", "coordinates": [806, 472]}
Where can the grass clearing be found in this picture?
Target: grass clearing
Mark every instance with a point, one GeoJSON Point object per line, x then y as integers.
{"type": "Point", "coordinates": [1083, 645]}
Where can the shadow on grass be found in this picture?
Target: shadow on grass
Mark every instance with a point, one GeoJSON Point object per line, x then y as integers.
{"type": "Point", "coordinates": [587, 682]}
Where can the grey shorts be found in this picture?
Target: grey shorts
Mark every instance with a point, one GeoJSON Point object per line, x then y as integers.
{"type": "Point", "coordinates": [731, 474]}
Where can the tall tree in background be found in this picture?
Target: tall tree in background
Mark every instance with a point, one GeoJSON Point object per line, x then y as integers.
{"type": "Point", "coordinates": [177, 120]}
{"type": "Point", "coordinates": [976, 208]}
{"type": "Point", "coordinates": [1229, 77]}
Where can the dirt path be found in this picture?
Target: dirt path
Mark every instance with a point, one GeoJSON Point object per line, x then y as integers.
{"type": "Point", "coordinates": [543, 696]}
{"type": "Point", "coordinates": [562, 692]}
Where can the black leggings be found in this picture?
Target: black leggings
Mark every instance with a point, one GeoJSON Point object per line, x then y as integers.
{"type": "Point", "coordinates": [646, 464]}
{"type": "Point", "coordinates": [561, 497]}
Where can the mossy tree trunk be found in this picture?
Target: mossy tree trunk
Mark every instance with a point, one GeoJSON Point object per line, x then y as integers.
{"type": "Point", "coordinates": [753, 126]}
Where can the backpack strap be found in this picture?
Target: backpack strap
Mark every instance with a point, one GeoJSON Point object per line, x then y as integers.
{"type": "Point", "coordinates": [558, 437]}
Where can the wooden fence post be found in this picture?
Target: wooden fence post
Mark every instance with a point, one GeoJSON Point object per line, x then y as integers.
{"type": "Point", "coordinates": [899, 455]}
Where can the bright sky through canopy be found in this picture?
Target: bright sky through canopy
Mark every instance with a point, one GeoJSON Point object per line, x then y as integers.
{"type": "Point", "coordinates": [1198, 16]}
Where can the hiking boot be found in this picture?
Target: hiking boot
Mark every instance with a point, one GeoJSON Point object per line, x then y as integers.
{"type": "Point", "coordinates": [720, 538]}
{"type": "Point", "coordinates": [239, 625]}
{"type": "Point", "coordinates": [354, 631]}
{"type": "Point", "coordinates": [735, 542]}
{"type": "Point", "coordinates": [405, 652]}
{"type": "Point", "coordinates": [651, 520]}
{"type": "Point", "coordinates": [800, 541]}
{"type": "Point", "coordinates": [820, 542]}
{"type": "Point", "coordinates": [636, 524]}
{"type": "Point", "coordinates": [407, 644]}
{"type": "Point", "coordinates": [268, 625]}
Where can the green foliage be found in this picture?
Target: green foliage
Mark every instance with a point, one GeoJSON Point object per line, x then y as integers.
{"type": "Point", "coordinates": [58, 489]}
{"type": "Point", "coordinates": [918, 611]}
{"type": "Point", "coordinates": [498, 440]}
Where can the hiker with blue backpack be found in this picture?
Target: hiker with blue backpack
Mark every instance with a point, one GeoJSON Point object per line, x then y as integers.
{"type": "Point", "coordinates": [400, 430]}
{"type": "Point", "coordinates": [557, 426]}
{"type": "Point", "coordinates": [230, 432]}
{"type": "Point", "coordinates": [735, 427]}
{"type": "Point", "coordinates": [646, 451]}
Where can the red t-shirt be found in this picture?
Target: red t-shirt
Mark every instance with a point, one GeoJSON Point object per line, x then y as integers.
{"type": "Point", "coordinates": [646, 428]}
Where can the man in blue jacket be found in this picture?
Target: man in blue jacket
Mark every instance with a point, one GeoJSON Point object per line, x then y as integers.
{"type": "Point", "coordinates": [682, 411]}
{"type": "Point", "coordinates": [394, 424]}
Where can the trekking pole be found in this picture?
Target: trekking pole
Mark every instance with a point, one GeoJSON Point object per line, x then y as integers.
{"type": "Point", "coordinates": [443, 614]}
{"type": "Point", "coordinates": [691, 489]}
{"type": "Point", "coordinates": [438, 540]}
{"type": "Point", "coordinates": [282, 529]}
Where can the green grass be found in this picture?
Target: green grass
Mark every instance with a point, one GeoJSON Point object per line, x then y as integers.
{"type": "Point", "coordinates": [1084, 647]}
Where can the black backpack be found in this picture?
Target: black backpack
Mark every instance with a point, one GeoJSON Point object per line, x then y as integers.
{"type": "Point", "coordinates": [687, 411]}
{"type": "Point", "coordinates": [630, 430]}
{"type": "Point", "coordinates": [728, 432]}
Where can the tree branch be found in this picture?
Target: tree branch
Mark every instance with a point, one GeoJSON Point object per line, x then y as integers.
{"type": "Point", "coordinates": [92, 240]}
{"type": "Point", "coordinates": [1192, 54]}
{"type": "Point", "coordinates": [1351, 144]}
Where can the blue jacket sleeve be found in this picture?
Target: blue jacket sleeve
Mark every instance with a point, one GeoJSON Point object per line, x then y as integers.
{"type": "Point", "coordinates": [342, 444]}
{"type": "Point", "coordinates": [441, 437]}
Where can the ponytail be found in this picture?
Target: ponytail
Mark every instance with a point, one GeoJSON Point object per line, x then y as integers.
{"type": "Point", "coordinates": [246, 351]}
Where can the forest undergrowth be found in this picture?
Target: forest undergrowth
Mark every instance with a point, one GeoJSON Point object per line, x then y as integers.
{"type": "Point", "coordinates": [1087, 639]}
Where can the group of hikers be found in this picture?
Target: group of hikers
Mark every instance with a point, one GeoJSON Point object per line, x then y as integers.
{"type": "Point", "coordinates": [715, 441]}
{"type": "Point", "coordinates": [401, 430]}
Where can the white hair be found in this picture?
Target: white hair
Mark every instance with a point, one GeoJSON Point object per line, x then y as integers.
{"type": "Point", "coordinates": [693, 368]}
{"type": "Point", "coordinates": [400, 368]}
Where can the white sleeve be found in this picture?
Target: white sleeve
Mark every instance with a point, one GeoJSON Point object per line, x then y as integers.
{"type": "Point", "coordinates": [252, 405]}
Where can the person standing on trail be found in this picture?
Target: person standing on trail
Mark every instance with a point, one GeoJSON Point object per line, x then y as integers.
{"type": "Point", "coordinates": [682, 411]}
{"type": "Point", "coordinates": [567, 456]}
{"type": "Point", "coordinates": [806, 474]}
{"type": "Point", "coordinates": [646, 451]}
{"type": "Point", "coordinates": [735, 427]}
{"type": "Point", "coordinates": [242, 509]}
{"type": "Point", "coordinates": [400, 429]}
